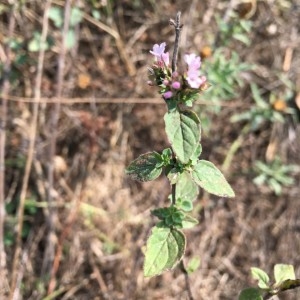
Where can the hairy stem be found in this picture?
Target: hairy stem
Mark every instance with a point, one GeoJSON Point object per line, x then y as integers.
{"type": "Point", "coordinates": [295, 284]}
{"type": "Point", "coordinates": [173, 194]}
{"type": "Point", "coordinates": [178, 28]}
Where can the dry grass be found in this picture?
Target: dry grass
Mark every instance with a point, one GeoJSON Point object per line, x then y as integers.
{"type": "Point", "coordinates": [85, 240]}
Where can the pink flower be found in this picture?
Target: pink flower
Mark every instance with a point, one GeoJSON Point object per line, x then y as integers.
{"type": "Point", "coordinates": [176, 85]}
{"type": "Point", "coordinates": [203, 78]}
{"type": "Point", "coordinates": [166, 82]}
{"type": "Point", "coordinates": [193, 77]}
{"type": "Point", "coordinates": [193, 61]}
{"type": "Point", "coordinates": [168, 95]}
{"type": "Point", "coordinates": [195, 82]}
{"type": "Point", "coordinates": [159, 52]}
{"type": "Point", "coordinates": [175, 74]}
{"type": "Point", "coordinates": [165, 58]}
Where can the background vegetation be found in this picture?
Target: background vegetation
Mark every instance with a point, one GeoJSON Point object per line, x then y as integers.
{"type": "Point", "coordinates": [76, 109]}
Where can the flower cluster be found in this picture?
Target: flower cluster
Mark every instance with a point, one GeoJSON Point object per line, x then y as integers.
{"type": "Point", "coordinates": [173, 83]}
{"type": "Point", "coordinates": [193, 77]}
{"type": "Point", "coordinates": [161, 57]}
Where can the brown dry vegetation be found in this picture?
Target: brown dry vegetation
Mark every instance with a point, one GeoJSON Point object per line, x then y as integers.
{"type": "Point", "coordinates": [85, 239]}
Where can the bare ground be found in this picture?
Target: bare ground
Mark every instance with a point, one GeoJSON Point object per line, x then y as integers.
{"type": "Point", "coordinates": [101, 218]}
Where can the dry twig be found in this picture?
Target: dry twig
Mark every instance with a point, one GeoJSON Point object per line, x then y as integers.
{"type": "Point", "coordinates": [32, 137]}
{"type": "Point", "coordinates": [71, 101]}
{"type": "Point", "coordinates": [3, 121]}
{"type": "Point", "coordinates": [55, 113]}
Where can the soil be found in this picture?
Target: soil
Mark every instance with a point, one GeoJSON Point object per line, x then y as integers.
{"type": "Point", "coordinates": [100, 219]}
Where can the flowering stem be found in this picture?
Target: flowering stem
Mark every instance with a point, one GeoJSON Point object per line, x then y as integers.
{"type": "Point", "coordinates": [177, 27]}
{"type": "Point", "coordinates": [173, 186]}
{"type": "Point", "coordinates": [173, 194]}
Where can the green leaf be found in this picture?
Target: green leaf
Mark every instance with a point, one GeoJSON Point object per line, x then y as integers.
{"type": "Point", "coordinates": [172, 174]}
{"type": "Point", "coordinates": [167, 152]}
{"type": "Point", "coordinates": [283, 272]}
{"type": "Point", "coordinates": [207, 176]}
{"type": "Point", "coordinates": [193, 265]}
{"type": "Point", "coordinates": [242, 38]}
{"type": "Point", "coordinates": [166, 157]}
{"type": "Point", "coordinates": [183, 131]}
{"type": "Point", "coordinates": [144, 167]}
{"type": "Point", "coordinates": [250, 294]}
{"type": "Point", "coordinates": [196, 154]}
{"type": "Point", "coordinates": [172, 105]}
{"type": "Point", "coordinates": [36, 44]}
{"type": "Point", "coordinates": [275, 186]}
{"type": "Point", "coordinates": [76, 16]}
{"type": "Point", "coordinates": [55, 14]}
{"type": "Point", "coordinates": [185, 205]}
{"type": "Point", "coordinates": [186, 188]}
{"type": "Point", "coordinates": [165, 248]}
{"type": "Point", "coordinates": [188, 222]}
{"type": "Point", "coordinates": [261, 276]}
{"type": "Point", "coordinates": [161, 213]}
{"type": "Point", "coordinates": [96, 14]}
{"type": "Point", "coordinates": [70, 39]}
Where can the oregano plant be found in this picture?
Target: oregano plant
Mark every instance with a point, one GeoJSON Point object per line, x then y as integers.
{"type": "Point", "coordinates": [285, 279]}
{"type": "Point", "coordinates": [181, 162]}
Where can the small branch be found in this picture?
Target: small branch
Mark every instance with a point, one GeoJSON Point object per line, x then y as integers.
{"type": "Point", "coordinates": [32, 139]}
{"type": "Point", "coordinates": [178, 28]}
{"type": "Point", "coordinates": [173, 186]}
{"type": "Point", "coordinates": [3, 121]}
{"type": "Point", "coordinates": [113, 31]}
{"type": "Point", "coordinates": [55, 113]}
{"type": "Point", "coordinates": [295, 284]}
{"type": "Point", "coordinates": [173, 194]}
{"type": "Point", "coordinates": [187, 280]}
{"type": "Point", "coordinates": [60, 244]}
{"type": "Point", "coordinates": [71, 101]}
{"type": "Point", "coordinates": [234, 148]}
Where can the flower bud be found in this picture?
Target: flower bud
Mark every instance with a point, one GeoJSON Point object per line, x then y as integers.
{"type": "Point", "coordinates": [176, 85]}
{"type": "Point", "coordinates": [168, 95]}
{"type": "Point", "coordinates": [166, 82]}
{"type": "Point", "coordinates": [175, 74]}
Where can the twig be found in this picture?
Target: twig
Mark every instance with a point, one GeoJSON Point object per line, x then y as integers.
{"type": "Point", "coordinates": [295, 285]}
{"type": "Point", "coordinates": [234, 148]}
{"type": "Point", "coordinates": [113, 31]}
{"type": "Point", "coordinates": [119, 43]}
{"type": "Point", "coordinates": [3, 121]}
{"type": "Point", "coordinates": [59, 251]}
{"type": "Point", "coordinates": [178, 28]}
{"type": "Point", "coordinates": [187, 280]}
{"type": "Point", "coordinates": [173, 194]}
{"type": "Point", "coordinates": [32, 138]}
{"type": "Point", "coordinates": [173, 186]}
{"type": "Point", "coordinates": [71, 101]}
{"type": "Point", "coordinates": [55, 113]}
